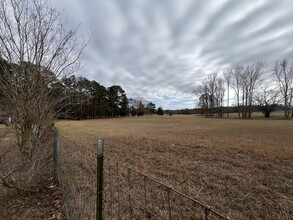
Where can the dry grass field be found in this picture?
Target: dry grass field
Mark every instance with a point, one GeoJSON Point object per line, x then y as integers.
{"type": "Point", "coordinates": [242, 168]}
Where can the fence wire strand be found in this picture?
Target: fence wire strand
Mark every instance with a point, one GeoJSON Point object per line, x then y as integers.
{"type": "Point", "coordinates": [133, 195]}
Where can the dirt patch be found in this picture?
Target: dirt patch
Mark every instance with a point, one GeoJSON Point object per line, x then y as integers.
{"type": "Point", "coordinates": [46, 204]}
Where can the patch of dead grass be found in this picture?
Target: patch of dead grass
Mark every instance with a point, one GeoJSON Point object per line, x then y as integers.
{"type": "Point", "coordinates": [242, 168]}
{"type": "Point", "coordinates": [43, 203]}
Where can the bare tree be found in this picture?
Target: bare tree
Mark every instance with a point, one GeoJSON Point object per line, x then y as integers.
{"type": "Point", "coordinates": [219, 95]}
{"type": "Point", "coordinates": [211, 94]}
{"type": "Point", "coordinates": [138, 106]}
{"type": "Point", "coordinates": [253, 76]}
{"type": "Point", "coordinates": [202, 92]}
{"type": "Point", "coordinates": [35, 49]}
{"type": "Point", "coordinates": [211, 82]}
{"type": "Point", "coordinates": [237, 73]}
{"type": "Point", "coordinates": [244, 80]}
{"type": "Point", "coordinates": [227, 77]}
{"type": "Point", "coordinates": [284, 75]}
{"type": "Point", "coordinates": [291, 101]}
{"type": "Point", "coordinates": [244, 83]}
{"type": "Point", "coordinates": [267, 99]}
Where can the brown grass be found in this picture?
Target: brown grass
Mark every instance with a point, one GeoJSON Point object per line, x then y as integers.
{"type": "Point", "coordinates": [43, 201]}
{"type": "Point", "coordinates": [242, 168]}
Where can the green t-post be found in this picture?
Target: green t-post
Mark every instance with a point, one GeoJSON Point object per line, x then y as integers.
{"type": "Point", "coordinates": [100, 158]}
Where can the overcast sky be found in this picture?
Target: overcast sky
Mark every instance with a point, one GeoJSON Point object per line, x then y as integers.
{"type": "Point", "coordinates": [162, 49]}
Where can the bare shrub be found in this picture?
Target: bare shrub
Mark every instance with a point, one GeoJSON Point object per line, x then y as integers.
{"type": "Point", "coordinates": [17, 173]}
{"type": "Point", "coordinates": [36, 48]}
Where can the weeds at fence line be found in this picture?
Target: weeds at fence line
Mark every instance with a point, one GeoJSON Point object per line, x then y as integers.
{"type": "Point", "coordinates": [77, 177]}
{"type": "Point", "coordinates": [127, 193]}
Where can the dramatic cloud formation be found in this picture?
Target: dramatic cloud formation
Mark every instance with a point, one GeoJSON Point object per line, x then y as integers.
{"type": "Point", "coordinates": [161, 50]}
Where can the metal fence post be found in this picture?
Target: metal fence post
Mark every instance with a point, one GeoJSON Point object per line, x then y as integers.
{"type": "Point", "coordinates": [100, 158]}
{"type": "Point", "coordinates": [145, 197]}
{"type": "Point", "coordinates": [56, 155]}
{"type": "Point", "coordinates": [169, 202]}
{"type": "Point", "coordinates": [206, 212]}
{"type": "Point", "coordinates": [129, 195]}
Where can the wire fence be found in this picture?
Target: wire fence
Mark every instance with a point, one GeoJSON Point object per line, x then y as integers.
{"type": "Point", "coordinates": [130, 194]}
{"type": "Point", "coordinates": [76, 167]}
{"type": "Point", "coordinates": [127, 193]}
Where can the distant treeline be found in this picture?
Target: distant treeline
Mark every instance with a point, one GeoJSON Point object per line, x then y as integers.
{"type": "Point", "coordinates": [251, 88]}
{"type": "Point", "coordinates": [186, 111]}
{"type": "Point", "coordinates": [225, 110]}
{"type": "Point", "coordinates": [89, 99]}
{"type": "Point", "coordinates": [71, 97]}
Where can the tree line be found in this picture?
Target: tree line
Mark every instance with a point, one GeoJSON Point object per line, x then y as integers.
{"type": "Point", "coordinates": [78, 97]}
{"type": "Point", "coordinates": [89, 99]}
{"type": "Point", "coordinates": [250, 88]}
{"type": "Point", "coordinates": [85, 98]}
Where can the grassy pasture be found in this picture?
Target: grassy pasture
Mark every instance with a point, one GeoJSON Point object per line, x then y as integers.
{"type": "Point", "coordinates": [242, 168]}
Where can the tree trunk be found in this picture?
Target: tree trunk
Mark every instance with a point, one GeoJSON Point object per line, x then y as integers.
{"type": "Point", "coordinates": [267, 114]}
{"type": "Point", "coordinates": [238, 102]}
{"type": "Point", "coordinates": [228, 103]}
